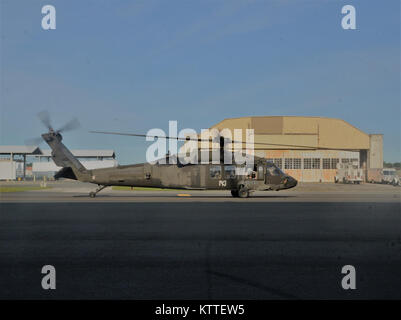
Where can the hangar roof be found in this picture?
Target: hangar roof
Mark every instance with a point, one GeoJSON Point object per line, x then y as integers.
{"type": "Point", "coordinates": [316, 132]}
{"type": "Point", "coordinates": [36, 151]}
{"type": "Point", "coordinates": [27, 150]}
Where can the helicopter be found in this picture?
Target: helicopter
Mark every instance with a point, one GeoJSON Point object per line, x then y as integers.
{"type": "Point", "coordinates": [240, 179]}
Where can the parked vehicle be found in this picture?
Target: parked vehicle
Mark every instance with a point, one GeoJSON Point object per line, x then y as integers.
{"type": "Point", "coordinates": [385, 176]}
{"type": "Point", "coordinates": [348, 173]}
{"type": "Point", "coordinates": [390, 177]}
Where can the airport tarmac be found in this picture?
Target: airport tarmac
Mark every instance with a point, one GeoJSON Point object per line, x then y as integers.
{"type": "Point", "coordinates": [74, 191]}
{"type": "Point", "coordinates": [157, 245]}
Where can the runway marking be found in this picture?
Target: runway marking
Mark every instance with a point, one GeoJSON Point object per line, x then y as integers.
{"type": "Point", "coordinates": [183, 195]}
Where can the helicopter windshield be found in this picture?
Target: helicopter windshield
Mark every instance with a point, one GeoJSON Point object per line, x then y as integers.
{"type": "Point", "coordinates": [273, 170]}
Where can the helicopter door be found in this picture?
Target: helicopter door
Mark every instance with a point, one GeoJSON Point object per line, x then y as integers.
{"type": "Point", "coordinates": [272, 175]}
{"type": "Point", "coordinates": [260, 173]}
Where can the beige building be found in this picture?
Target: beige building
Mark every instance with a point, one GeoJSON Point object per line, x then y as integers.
{"type": "Point", "coordinates": [309, 148]}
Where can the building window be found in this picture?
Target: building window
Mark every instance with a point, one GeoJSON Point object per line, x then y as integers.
{"type": "Point", "coordinates": [326, 163]}
{"type": "Point", "coordinates": [344, 160]}
{"type": "Point", "coordinates": [288, 163]}
{"type": "Point", "coordinates": [334, 162]}
{"type": "Point", "coordinates": [316, 163]}
{"type": "Point", "coordinates": [308, 163]}
{"type": "Point", "coordinates": [355, 160]}
{"type": "Point", "coordinates": [297, 163]}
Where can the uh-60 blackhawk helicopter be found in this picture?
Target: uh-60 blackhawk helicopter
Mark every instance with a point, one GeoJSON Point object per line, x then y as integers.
{"type": "Point", "coordinates": [263, 175]}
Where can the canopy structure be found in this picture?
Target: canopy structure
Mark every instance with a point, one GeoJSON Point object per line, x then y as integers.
{"type": "Point", "coordinates": [20, 151]}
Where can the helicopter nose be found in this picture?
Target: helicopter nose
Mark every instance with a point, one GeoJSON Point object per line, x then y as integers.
{"type": "Point", "coordinates": [291, 182]}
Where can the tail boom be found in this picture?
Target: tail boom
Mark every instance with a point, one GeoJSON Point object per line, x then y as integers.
{"type": "Point", "coordinates": [62, 157]}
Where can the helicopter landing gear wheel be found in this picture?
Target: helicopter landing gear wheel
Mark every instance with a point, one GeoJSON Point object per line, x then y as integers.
{"type": "Point", "coordinates": [93, 194]}
{"type": "Point", "coordinates": [234, 193]}
{"type": "Point", "coordinates": [243, 192]}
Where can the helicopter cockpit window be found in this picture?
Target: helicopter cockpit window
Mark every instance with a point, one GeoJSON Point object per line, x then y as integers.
{"type": "Point", "coordinates": [229, 172]}
{"type": "Point", "coordinates": [273, 171]}
{"type": "Point", "coordinates": [215, 172]}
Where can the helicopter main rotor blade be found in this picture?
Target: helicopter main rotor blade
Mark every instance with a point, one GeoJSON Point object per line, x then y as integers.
{"type": "Point", "coordinates": [151, 136]}
{"type": "Point", "coordinates": [45, 119]}
{"type": "Point", "coordinates": [292, 145]}
{"type": "Point", "coordinates": [70, 125]}
{"type": "Point", "coordinates": [295, 146]}
{"type": "Point", "coordinates": [229, 141]}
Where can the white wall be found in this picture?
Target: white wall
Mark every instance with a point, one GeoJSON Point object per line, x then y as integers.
{"type": "Point", "coordinates": [8, 170]}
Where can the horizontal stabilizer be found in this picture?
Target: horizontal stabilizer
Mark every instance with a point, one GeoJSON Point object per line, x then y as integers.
{"type": "Point", "coordinates": [65, 172]}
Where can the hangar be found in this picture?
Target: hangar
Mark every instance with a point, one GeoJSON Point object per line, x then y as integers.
{"type": "Point", "coordinates": [341, 141]}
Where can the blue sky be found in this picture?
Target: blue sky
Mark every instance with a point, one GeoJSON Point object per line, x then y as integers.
{"type": "Point", "coordinates": [134, 65]}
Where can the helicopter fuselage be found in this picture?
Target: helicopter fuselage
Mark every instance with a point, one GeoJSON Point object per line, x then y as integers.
{"type": "Point", "coordinates": [265, 176]}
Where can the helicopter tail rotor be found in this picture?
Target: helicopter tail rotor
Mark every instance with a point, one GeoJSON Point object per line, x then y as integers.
{"type": "Point", "coordinates": [44, 117]}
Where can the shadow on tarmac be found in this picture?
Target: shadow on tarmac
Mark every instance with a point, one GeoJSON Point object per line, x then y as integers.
{"type": "Point", "coordinates": [175, 196]}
